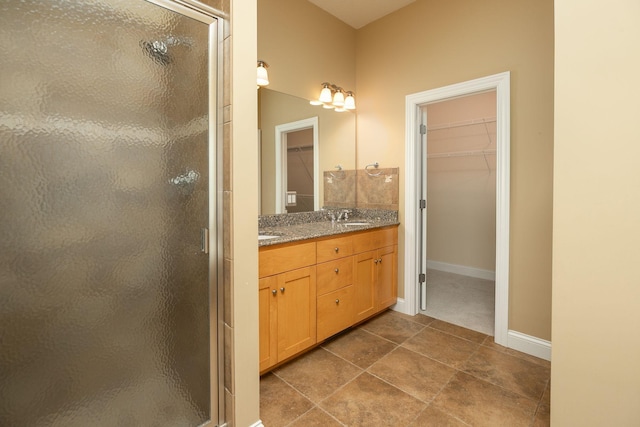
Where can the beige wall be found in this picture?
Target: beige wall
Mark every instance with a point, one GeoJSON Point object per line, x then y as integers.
{"type": "Point", "coordinates": [596, 218]}
{"type": "Point", "coordinates": [304, 47]}
{"type": "Point", "coordinates": [461, 189]}
{"type": "Point", "coordinates": [241, 225]}
{"type": "Point", "coordinates": [430, 44]}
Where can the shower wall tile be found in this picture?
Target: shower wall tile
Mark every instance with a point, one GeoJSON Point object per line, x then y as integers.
{"type": "Point", "coordinates": [228, 359]}
{"type": "Point", "coordinates": [229, 402]}
{"type": "Point", "coordinates": [221, 5]}
{"type": "Point", "coordinates": [227, 225]}
{"type": "Point", "coordinates": [227, 152]}
{"type": "Point", "coordinates": [228, 292]}
{"type": "Point", "coordinates": [226, 71]}
{"type": "Point", "coordinates": [378, 192]}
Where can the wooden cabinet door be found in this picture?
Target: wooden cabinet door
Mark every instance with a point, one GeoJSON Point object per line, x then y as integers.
{"type": "Point", "coordinates": [386, 277]}
{"type": "Point", "coordinates": [364, 277]}
{"type": "Point", "coordinates": [268, 320]}
{"type": "Point", "coordinates": [296, 311]}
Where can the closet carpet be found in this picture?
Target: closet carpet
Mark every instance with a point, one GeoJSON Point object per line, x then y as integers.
{"type": "Point", "coordinates": [462, 300]}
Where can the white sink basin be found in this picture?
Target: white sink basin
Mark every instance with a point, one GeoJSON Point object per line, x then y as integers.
{"type": "Point", "coordinates": [355, 223]}
{"type": "Point", "coordinates": [266, 237]}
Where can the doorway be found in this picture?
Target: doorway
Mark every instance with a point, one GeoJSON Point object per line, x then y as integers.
{"type": "Point", "coordinates": [415, 203]}
{"type": "Point", "coordinates": [460, 202]}
{"type": "Point", "coordinates": [297, 162]}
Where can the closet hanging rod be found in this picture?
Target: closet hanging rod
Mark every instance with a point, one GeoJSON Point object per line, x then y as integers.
{"type": "Point", "coordinates": [300, 148]}
{"type": "Point", "coordinates": [461, 154]}
{"type": "Point", "coordinates": [462, 124]}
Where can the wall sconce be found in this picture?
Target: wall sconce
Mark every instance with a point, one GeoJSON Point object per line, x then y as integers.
{"type": "Point", "coordinates": [263, 76]}
{"type": "Point", "coordinates": [333, 97]}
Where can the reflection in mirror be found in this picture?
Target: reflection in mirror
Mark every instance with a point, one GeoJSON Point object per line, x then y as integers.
{"type": "Point", "coordinates": [278, 114]}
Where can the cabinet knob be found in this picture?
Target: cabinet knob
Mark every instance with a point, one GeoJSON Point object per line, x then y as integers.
{"type": "Point", "coordinates": [337, 301]}
{"type": "Point", "coordinates": [337, 270]}
{"type": "Point", "coordinates": [282, 290]}
{"type": "Point", "coordinates": [336, 249]}
{"type": "Point", "coordinates": [380, 260]}
{"type": "Point", "coordinates": [274, 292]}
{"type": "Point", "coordinates": [375, 261]}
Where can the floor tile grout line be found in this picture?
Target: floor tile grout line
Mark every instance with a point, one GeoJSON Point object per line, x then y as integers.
{"type": "Point", "coordinates": [386, 339]}
{"type": "Point", "coordinates": [461, 370]}
{"type": "Point", "coordinates": [464, 366]}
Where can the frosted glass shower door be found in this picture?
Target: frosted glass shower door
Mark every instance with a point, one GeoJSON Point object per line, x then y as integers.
{"type": "Point", "coordinates": [105, 290]}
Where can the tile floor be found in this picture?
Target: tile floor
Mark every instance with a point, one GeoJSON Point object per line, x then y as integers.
{"type": "Point", "coordinates": [397, 370]}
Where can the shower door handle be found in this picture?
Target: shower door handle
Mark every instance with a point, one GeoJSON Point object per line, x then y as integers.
{"type": "Point", "coordinates": [204, 240]}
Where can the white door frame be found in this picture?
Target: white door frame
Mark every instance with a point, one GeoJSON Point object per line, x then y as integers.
{"type": "Point", "coordinates": [281, 160]}
{"type": "Point", "coordinates": [413, 162]}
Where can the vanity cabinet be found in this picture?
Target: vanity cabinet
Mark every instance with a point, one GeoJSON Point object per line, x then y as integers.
{"type": "Point", "coordinates": [287, 302]}
{"type": "Point", "coordinates": [375, 272]}
{"type": "Point", "coordinates": [316, 288]}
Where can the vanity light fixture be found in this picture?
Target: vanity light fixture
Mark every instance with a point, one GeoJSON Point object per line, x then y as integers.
{"type": "Point", "coordinates": [338, 98]}
{"type": "Point", "coordinates": [334, 97]}
{"type": "Point", "coordinates": [263, 76]}
{"type": "Point", "coordinates": [326, 93]}
{"type": "Point", "coordinates": [349, 101]}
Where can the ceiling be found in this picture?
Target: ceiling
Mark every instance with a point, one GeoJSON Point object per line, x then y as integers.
{"type": "Point", "coordinates": [359, 13]}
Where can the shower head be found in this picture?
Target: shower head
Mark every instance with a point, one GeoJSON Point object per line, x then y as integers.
{"type": "Point", "coordinates": [158, 50]}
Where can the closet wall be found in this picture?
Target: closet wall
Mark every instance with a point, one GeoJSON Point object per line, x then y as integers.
{"type": "Point", "coordinates": [300, 171]}
{"type": "Point", "coordinates": [461, 182]}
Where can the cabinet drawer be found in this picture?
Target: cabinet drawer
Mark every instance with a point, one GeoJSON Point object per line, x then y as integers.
{"type": "Point", "coordinates": [335, 312]}
{"type": "Point", "coordinates": [278, 259]}
{"type": "Point", "coordinates": [334, 275]}
{"type": "Point", "coordinates": [335, 248]}
{"type": "Point", "coordinates": [370, 240]}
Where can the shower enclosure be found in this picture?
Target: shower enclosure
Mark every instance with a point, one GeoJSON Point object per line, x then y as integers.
{"type": "Point", "coordinates": [108, 213]}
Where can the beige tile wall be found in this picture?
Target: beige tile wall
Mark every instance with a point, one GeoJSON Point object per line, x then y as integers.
{"type": "Point", "coordinates": [225, 44]}
{"type": "Point", "coordinates": [377, 192]}
{"type": "Point", "coordinates": [357, 188]}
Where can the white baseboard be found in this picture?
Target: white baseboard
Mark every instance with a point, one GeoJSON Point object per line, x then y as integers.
{"type": "Point", "coordinates": [516, 340]}
{"type": "Point", "coordinates": [401, 306]}
{"type": "Point", "coordinates": [462, 269]}
{"type": "Point", "coordinates": [530, 345]}
{"type": "Point", "coordinates": [257, 424]}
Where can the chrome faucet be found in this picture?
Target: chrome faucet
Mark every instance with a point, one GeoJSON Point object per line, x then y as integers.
{"type": "Point", "coordinates": [344, 214]}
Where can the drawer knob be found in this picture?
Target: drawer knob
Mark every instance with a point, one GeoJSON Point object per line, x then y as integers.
{"type": "Point", "coordinates": [274, 292]}
{"type": "Point", "coordinates": [282, 290]}
{"type": "Point", "coordinates": [337, 270]}
{"type": "Point", "coordinates": [336, 249]}
{"type": "Point", "coordinates": [337, 301]}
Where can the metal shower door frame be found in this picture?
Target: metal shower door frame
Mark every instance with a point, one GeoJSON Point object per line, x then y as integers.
{"type": "Point", "coordinates": [213, 18]}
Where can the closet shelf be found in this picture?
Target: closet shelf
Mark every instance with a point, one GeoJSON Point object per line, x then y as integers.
{"type": "Point", "coordinates": [462, 154]}
{"type": "Point", "coordinates": [461, 124]}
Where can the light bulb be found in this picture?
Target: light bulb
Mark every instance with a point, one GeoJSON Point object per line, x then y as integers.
{"type": "Point", "coordinates": [325, 94]}
{"type": "Point", "coordinates": [338, 98]}
{"type": "Point", "coordinates": [263, 76]}
{"type": "Point", "coordinates": [350, 101]}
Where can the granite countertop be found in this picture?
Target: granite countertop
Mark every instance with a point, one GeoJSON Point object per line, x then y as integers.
{"type": "Point", "coordinates": [294, 227]}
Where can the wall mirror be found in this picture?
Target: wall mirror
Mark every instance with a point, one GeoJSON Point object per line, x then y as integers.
{"type": "Point", "coordinates": [299, 142]}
